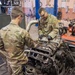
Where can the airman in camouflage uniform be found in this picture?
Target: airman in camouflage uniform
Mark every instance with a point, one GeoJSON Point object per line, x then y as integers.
{"type": "Point", "coordinates": [14, 39]}
{"type": "Point", "coordinates": [48, 24]}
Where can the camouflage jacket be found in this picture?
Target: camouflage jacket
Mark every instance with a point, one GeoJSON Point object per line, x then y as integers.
{"type": "Point", "coordinates": [15, 38]}
{"type": "Point", "coordinates": [48, 26]}
{"type": "Point", "coordinates": [1, 43]}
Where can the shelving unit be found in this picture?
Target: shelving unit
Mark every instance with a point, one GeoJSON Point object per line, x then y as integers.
{"type": "Point", "coordinates": [10, 4]}
{"type": "Point", "coordinates": [3, 16]}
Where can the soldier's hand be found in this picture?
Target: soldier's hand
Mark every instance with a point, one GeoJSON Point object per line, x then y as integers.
{"type": "Point", "coordinates": [36, 43]}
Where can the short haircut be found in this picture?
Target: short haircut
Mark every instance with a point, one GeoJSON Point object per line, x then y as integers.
{"type": "Point", "coordinates": [16, 11]}
{"type": "Point", "coordinates": [41, 9]}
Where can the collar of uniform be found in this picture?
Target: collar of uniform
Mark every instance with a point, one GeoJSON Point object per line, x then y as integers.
{"type": "Point", "coordinates": [13, 24]}
{"type": "Point", "coordinates": [47, 18]}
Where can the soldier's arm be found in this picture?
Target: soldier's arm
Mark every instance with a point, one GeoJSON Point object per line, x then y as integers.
{"type": "Point", "coordinates": [28, 41]}
{"type": "Point", "coordinates": [55, 27]}
{"type": "Point", "coordinates": [1, 44]}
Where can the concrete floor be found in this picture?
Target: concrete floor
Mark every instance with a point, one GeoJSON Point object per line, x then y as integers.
{"type": "Point", "coordinates": [34, 32]}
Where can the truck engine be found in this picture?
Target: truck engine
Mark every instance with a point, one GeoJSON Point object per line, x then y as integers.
{"type": "Point", "coordinates": [51, 58]}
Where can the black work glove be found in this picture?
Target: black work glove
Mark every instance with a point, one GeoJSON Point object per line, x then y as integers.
{"type": "Point", "coordinates": [40, 36]}
{"type": "Point", "coordinates": [49, 37]}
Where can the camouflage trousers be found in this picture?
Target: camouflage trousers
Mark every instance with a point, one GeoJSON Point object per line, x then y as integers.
{"type": "Point", "coordinates": [16, 69]}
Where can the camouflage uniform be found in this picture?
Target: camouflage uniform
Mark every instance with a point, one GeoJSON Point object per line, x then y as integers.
{"type": "Point", "coordinates": [48, 26]}
{"type": "Point", "coordinates": [1, 44]}
{"type": "Point", "coordinates": [14, 39]}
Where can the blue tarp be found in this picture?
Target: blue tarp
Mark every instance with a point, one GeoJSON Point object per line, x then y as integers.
{"type": "Point", "coordinates": [50, 10]}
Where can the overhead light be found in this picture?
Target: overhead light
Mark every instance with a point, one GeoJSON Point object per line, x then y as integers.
{"type": "Point", "coordinates": [0, 3]}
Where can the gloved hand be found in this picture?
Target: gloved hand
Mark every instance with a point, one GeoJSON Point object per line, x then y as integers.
{"type": "Point", "coordinates": [49, 37]}
{"type": "Point", "coordinates": [40, 36]}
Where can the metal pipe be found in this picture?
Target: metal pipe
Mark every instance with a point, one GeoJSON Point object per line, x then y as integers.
{"type": "Point", "coordinates": [30, 24]}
